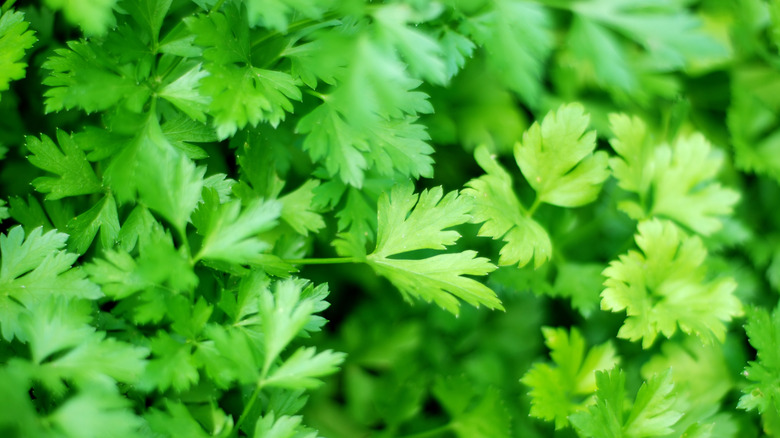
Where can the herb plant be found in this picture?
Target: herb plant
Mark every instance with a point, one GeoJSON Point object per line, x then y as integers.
{"type": "Point", "coordinates": [320, 218]}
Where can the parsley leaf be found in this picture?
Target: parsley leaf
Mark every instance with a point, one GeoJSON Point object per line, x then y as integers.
{"type": "Point", "coordinates": [409, 222]}
{"type": "Point", "coordinates": [31, 269]}
{"type": "Point", "coordinates": [473, 414]}
{"type": "Point", "coordinates": [15, 38]}
{"type": "Point", "coordinates": [76, 176]}
{"type": "Point", "coordinates": [763, 392]}
{"type": "Point", "coordinates": [666, 286]}
{"type": "Point", "coordinates": [678, 176]}
{"type": "Point", "coordinates": [83, 228]}
{"type": "Point", "coordinates": [561, 390]}
{"type": "Point", "coordinates": [651, 415]}
{"type": "Point", "coordinates": [240, 93]}
{"type": "Point", "coordinates": [230, 234]}
{"type": "Point", "coordinates": [515, 52]}
{"type": "Point", "coordinates": [297, 209]}
{"type": "Point", "coordinates": [94, 17]}
{"type": "Point", "coordinates": [558, 161]}
{"type": "Point", "coordinates": [497, 205]}
{"type": "Point", "coordinates": [84, 75]}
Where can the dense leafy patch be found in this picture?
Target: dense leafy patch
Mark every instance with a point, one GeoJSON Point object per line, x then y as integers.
{"type": "Point", "coordinates": [313, 218]}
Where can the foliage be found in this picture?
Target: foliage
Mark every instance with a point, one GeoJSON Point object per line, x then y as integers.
{"type": "Point", "coordinates": [313, 218]}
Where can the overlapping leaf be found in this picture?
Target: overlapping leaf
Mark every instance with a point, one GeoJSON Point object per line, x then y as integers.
{"type": "Point", "coordinates": [665, 286]}
{"type": "Point", "coordinates": [409, 222]}
{"type": "Point", "coordinates": [567, 387]}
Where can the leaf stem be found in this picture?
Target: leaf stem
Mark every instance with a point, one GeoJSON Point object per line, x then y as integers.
{"type": "Point", "coordinates": [534, 206]}
{"type": "Point", "coordinates": [322, 261]}
{"type": "Point", "coordinates": [249, 406]}
{"type": "Point", "coordinates": [216, 6]}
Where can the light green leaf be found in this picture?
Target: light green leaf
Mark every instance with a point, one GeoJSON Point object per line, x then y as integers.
{"type": "Point", "coordinates": [763, 392]}
{"type": "Point", "coordinates": [94, 17]}
{"type": "Point", "coordinates": [651, 415]}
{"type": "Point", "coordinates": [666, 286]}
{"type": "Point", "coordinates": [421, 52]}
{"type": "Point", "coordinates": [497, 206]}
{"type": "Point", "coordinates": [97, 412]}
{"type": "Point", "coordinates": [408, 222]}
{"type": "Point", "coordinates": [303, 367]}
{"type": "Point", "coordinates": [183, 92]}
{"type": "Point", "coordinates": [567, 387]}
{"type": "Point", "coordinates": [33, 270]}
{"type": "Point", "coordinates": [672, 181]}
{"type": "Point", "coordinates": [15, 38]}
{"type": "Point", "coordinates": [557, 158]}
{"type": "Point", "coordinates": [297, 209]}
{"type": "Point", "coordinates": [230, 234]}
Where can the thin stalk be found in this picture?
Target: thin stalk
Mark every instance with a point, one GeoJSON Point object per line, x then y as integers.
{"type": "Point", "coordinates": [534, 206]}
{"type": "Point", "coordinates": [217, 6]}
{"type": "Point", "coordinates": [322, 261]}
{"type": "Point", "coordinates": [249, 406]}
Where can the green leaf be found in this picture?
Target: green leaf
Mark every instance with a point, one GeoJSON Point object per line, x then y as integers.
{"type": "Point", "coordinates": [33, 269]}
{"type": "Point", "coordinates": [15, 38]}
{"type": "Point", "coordinates": [172, 366]}
{"type": "Point", "coordinates": [167, 181]}
{"type": "Point", "coordinates": [421, 52]}
{"type": "Point", "coordinates": [184, 94]}
{"type": "Point", "coordinates": [97, 412]}
{"type": "Point", "coordinates": [94, 17]}
{"type": "Point", "coordinates": [672, 181]}
{"type": "Point", "coordinates": [303, 367]}
{"type": "Point", "coordinates": [230, 234]}
{"type": "Point", "coordinates": [684, 187]}
{"type": "Point", "coordinates": [276, 14]}
{"type": "Point", "coordinates": [671, 35]}
{"type": "Point", "coordinates": [558, 161]}
{"type": "Point", "coordinates": [84, 227]}
{"type": "Point", "coordinates": [75, 174]}
{"type": "Point", "coordinates": [474, 414]}
{"type": "Point", "coordinates": [158, 265]}
{"type": "Point", "coordinates": [567, 387]}
{"type": "Point", "coordinates": [84, 76]}
{"type": "Point", "coordinates": [284, 315]}
{"type": "Point", "coordinates": [582, 283]}
{"type": "Point", "coordinates": [175, 421]}
{"type": "Point", "coordinates": [652, 413]}
{"type": "Point", "coordinates": [408, 222]}
{"type": "Point", "coordinates": [763, 392]}
{"type": "Point", "coordinates": [240, 93]}
{"type": "Point", "coordinates": [241, 96]}
{"type": "Point", "coordinates": [332, 139]}
{"type": "Point", "coordinates": [284, 426]}
{"type": "Point", "coordinates": [496, 204]}
{"type": "Point", "coordinates": [666, 286]}
{"type": "Point", "coordinates": [297, 209]}
{"type": "Point", "coordinates": [148, 13]}
{"type": "Point", "coordinates": [456, 48]}
{"type": "Point", "coordinates": [515, 52]}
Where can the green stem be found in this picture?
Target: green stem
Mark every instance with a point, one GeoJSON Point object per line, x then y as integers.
{"type": "Point", "coordinates": [249, 406]}
{"type": "Point", "coordinates": [429, 433]}
{"type": "Point", "coordinates": [322, 261]}
{"type": "Point", "coordinates": [216, 6]}
{"type": "Point", "coordinates": [534, 206]}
